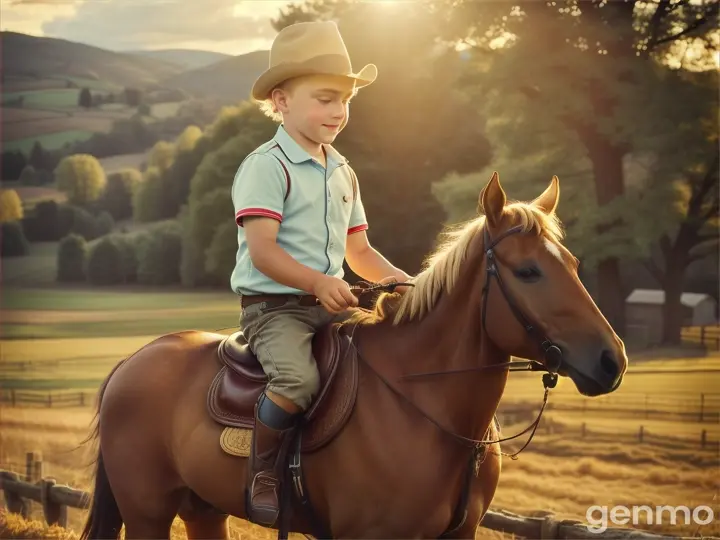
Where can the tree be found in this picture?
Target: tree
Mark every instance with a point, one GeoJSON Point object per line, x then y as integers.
{"type": "Point", "coordinates": [11, 208]}
{"type": "Point", "coordinates": [12, 164]}
{"type": "Point", "coordinates": [82, 177]}
{"type": "Point", "coordinates": [119, 192]}
{"type": "Point", "coordinates": [85, 98]}
{"type": "Point", "coordinates": [29, 176]}
{"type": "Point", "coordinates": [159, 255]}
{"type": "Point", "coordinates": [105, 263]}
{"type": "Point", "coordinates": [588, 67]}
{"type": "Point", "coordinates": [72, 254]}
{"type": "Point", "coordinates": [149, 199]}
{"type": "Point", "coordinates": [686, 165]}
{"type": "Point", "coordinates": [133, 97]}
{"type": "Point", "coordinates": [12, 239]}
{"type": "Point", "coordinates": [40, 158]}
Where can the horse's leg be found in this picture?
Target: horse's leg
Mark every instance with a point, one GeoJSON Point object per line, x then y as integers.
{"type": "Point", "coordinates": [201, 519]}
{"type": "Point", "coordinates": [482, 491]}
{"type": "Point", "coordinates": [206, 526]}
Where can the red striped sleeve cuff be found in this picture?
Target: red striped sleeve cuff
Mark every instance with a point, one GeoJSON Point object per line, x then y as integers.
{"type": "Point", "coordinates": [358, 228]}
{"type": "Point", "coordinates": [264, 212]}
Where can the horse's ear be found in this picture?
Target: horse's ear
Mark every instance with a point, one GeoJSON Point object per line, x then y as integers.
{"type": "Point", "coordinates": [492, 200]}
{"type": "Point", "coordinates": [548, 201]}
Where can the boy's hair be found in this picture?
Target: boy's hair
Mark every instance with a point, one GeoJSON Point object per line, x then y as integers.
{"type": "Point", "coordinates": [267, 107]}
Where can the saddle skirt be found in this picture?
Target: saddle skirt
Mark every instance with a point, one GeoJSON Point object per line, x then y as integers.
{"type": "Point", "coordinates": [241, 379]}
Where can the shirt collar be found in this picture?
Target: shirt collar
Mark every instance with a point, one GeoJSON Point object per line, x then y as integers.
{"type": "Point", "coordinates": [297, 154]}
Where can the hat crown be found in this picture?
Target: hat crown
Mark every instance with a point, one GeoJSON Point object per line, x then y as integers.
{"type": "Point", "coordinates": [302, 41]}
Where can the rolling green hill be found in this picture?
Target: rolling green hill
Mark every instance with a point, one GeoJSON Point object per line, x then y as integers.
{"type": "Point", "coordinates": [185, 58]}
{"type": "Point", "coordinates": [41, 58]}
{"type": "Point", "coordinates": [229, 80]}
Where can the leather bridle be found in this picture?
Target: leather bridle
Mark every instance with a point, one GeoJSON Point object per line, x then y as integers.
{"type": "Point", "coordinates": [553, 358]}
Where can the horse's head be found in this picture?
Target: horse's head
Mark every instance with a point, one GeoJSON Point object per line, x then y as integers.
{"type": "Point", "coordinates": [531, 279]}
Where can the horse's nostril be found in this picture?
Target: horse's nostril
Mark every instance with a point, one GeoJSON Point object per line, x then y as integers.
{"type": "Point", "coordinates": [608, 364]}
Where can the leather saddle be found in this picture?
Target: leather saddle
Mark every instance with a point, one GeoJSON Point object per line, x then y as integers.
{"type": "Point", "coordinates": [240, 381]}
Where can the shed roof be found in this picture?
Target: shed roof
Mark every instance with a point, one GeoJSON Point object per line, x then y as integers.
{"type": "Point", "coordinates": [657, 296]}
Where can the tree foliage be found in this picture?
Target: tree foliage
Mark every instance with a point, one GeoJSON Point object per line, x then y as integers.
{"type": "Point", "coordinates": [12, 239]}
{"type": "Point", "coordinates": [71, 262]}
{"type": "Point", "coordinates": [82, 177]}
{"type": "Point", "coordinates": [118, 195]}
{"type": "Point", "coordinates": [11, 208]}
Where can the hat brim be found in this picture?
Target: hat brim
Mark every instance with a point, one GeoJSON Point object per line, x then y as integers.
{"type": "Point", "coordinates": [277, 74]}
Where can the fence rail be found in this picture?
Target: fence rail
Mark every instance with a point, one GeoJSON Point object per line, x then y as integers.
{"type": "Point", "coordinates": [56, 499]}
{"type": "Point", "coordinates": [708, 336]}
{"type": "Point", "coordinates": [47, 399]}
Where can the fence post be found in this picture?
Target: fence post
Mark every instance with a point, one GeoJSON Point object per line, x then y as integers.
{"type": "Point", "coordinates": [583, 431]}
{"type": "Point", "coordinates": [702, 407]}
{"type": "Point", "coordinates": [12, 397]}
{"type": "Point", "coordinates": [702, 335]}
{"type": "Point", "coordinates": [55, 513]}
{"type": "Point", "coordinates": [29, 463]}
{"type": "Point", "coordinates": [38, 470]}
{"type": "Point", "coordinates": [703, 439]}
{"type": "Point", "coordinates": [82, 399]}
{"type": "Point", "coordinates": [15, 503]}
{"type": "Point", "coordinates": [49, 399]}
{"type": "Point", "coordinates": [641, 433]}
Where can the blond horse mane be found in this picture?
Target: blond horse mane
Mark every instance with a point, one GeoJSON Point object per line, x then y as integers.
{"type": "Point", "coordinates": [442, 267]}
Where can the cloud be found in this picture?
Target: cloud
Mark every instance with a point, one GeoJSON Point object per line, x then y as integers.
{"type": "Point", "coordinates": [229, 25]}
{"type": "Point", "coordinates": [28, 17]}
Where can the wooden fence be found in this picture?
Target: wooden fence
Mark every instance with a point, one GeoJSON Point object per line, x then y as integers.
{"type": "Point", "coordinates": [47, 399]}
{"type": "Point", "coordinates": [56, 499]}
{"type": "Point", "coordinates": [704, 407]}
{"type": "Point", "coordinates": [639, 435]}
{"type": "Point", "coordinates": [708, 336]}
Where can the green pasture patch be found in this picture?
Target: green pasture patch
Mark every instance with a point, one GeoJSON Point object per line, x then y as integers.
{"type": "Point", "coordinates": [121, 299]}
{"type": "Point", "coordinates": [50, 141]}
{"type": "Point", "coordinates": [130, 327]}
{"type": "Point", "coordinates": [44, 99]}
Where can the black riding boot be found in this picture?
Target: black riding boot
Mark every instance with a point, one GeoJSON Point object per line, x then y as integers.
{"type": "Point", "coordinates": [270, 441]}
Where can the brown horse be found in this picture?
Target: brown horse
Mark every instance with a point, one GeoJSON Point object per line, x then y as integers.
{"type": "Point", "coordinates": [398, 467]}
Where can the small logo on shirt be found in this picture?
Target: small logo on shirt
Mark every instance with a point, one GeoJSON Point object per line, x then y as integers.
{"type": "Point", "coordinates": [345, 198]}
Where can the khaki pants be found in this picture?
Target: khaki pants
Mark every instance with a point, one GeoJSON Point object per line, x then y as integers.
{"type": "Point", "coordinates": [281, 338]}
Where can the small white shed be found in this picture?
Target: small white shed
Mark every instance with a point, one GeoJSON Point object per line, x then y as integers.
{"type": "Point", "coordinates": [643, 311]}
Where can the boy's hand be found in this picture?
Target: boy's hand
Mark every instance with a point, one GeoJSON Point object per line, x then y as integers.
{"type": "Point", "coordinates": [393, 279]}
{"type": "Point", "coordinates": [334, 294]}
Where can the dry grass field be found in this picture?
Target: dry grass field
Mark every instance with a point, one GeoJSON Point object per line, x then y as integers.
{"type": "Point", "coordinates": [561, 471]}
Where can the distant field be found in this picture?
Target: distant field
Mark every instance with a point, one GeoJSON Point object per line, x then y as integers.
{"type": "Point", "coordinates": [39, 267]}
{"type": "Point", "coordinates": [45, 99]}
{"type": "Point", "coordinates": [31, 195]}
{"type": "Point", "coordinates": [165, 110]}
{"type": "Point", "coordinates": [124, 161]}
{"type": "Point", "coordinates": [112, 300]}
{"type": "Point", "coordinates": [36, 129]}
{"type": "Point", "coordinates": [51, 141]}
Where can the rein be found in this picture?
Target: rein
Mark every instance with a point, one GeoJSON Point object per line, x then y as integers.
{"type": "Point", "coordinates": [552, 353]}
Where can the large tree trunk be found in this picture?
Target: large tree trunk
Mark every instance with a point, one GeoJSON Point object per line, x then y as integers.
{"type": "Point", "coordinates": [672, 310]}
{"type": "Point", "coordinates": [608, 174]}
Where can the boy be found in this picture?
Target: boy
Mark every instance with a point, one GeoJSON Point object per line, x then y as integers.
{"type": "Point", "coordinates": [299, 215]}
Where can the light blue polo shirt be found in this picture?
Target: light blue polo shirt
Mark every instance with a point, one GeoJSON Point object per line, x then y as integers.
{"type": "Point", "coordinates": [314, 205]}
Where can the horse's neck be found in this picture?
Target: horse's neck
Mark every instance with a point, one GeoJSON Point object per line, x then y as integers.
{"type": "Point", "coordinates": [450, 337]}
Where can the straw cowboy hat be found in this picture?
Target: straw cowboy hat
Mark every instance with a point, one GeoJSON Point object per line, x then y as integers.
{"type": "Point", "coordinates": [309, 48]}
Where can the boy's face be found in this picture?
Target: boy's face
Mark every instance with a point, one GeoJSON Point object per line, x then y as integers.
{"type": "Point", "coordinates": [317, 106]}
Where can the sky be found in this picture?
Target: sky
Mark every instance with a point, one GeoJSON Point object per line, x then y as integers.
{"type": "Point", "coordinates": [226, 26]}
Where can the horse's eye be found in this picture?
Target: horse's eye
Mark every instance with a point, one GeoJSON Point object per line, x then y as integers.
{"type": "Point", "coordinates": [529, 274]}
